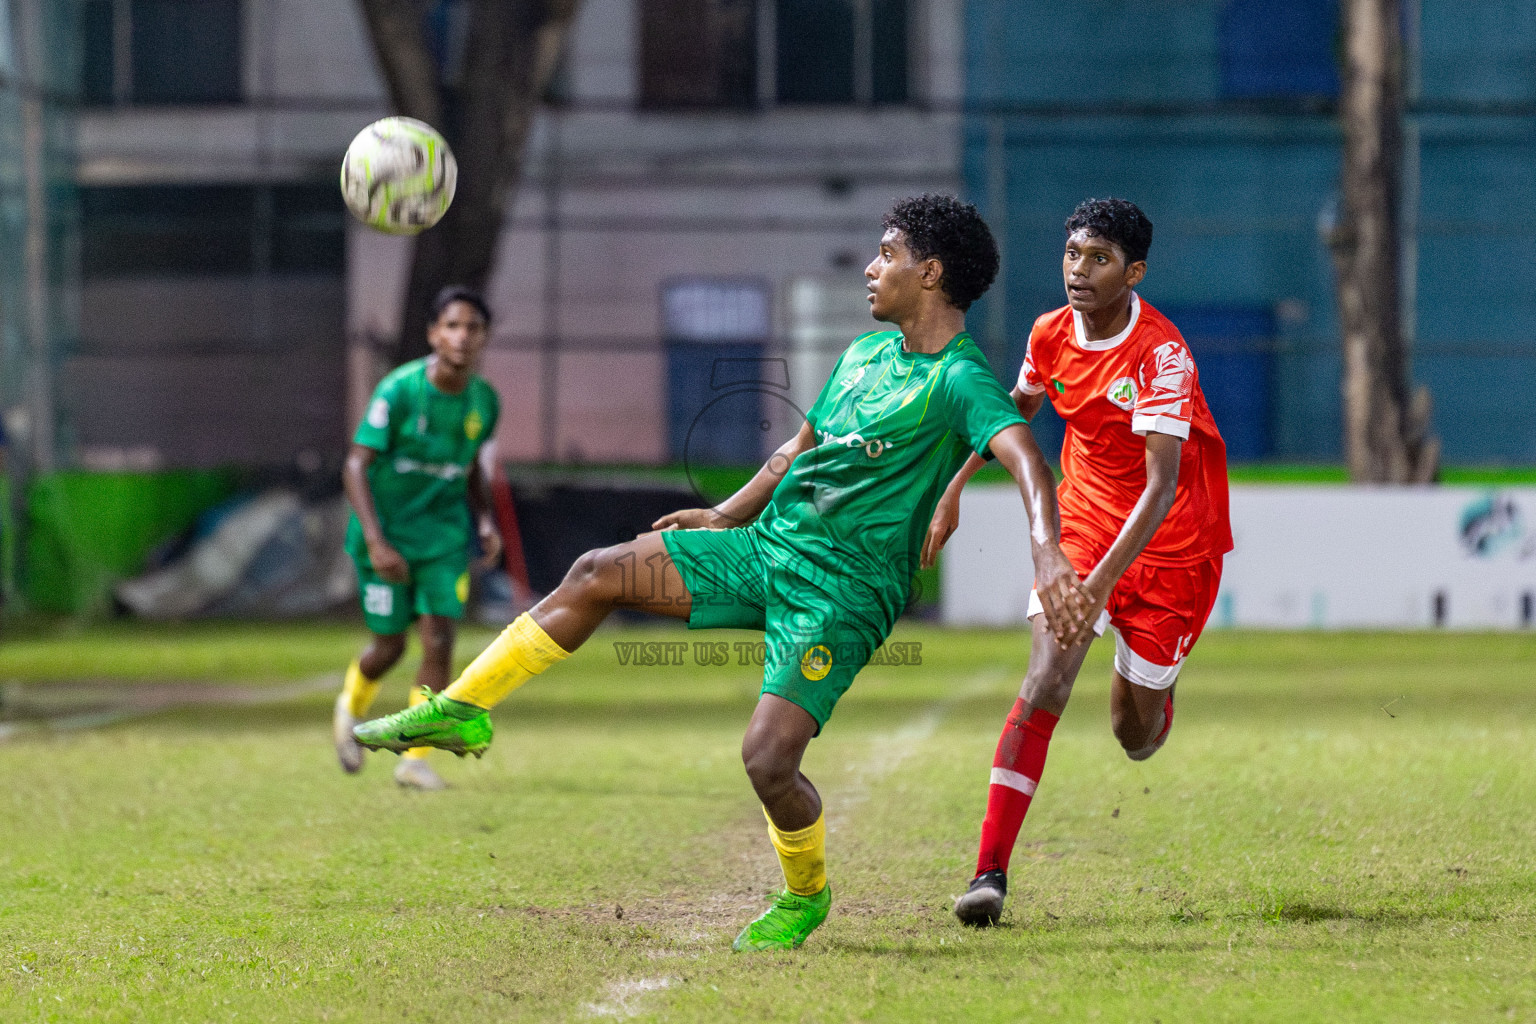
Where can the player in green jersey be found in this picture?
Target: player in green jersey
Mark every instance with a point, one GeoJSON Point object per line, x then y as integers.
{"type": "Point", "coordinates": [413, 477]}
{"type": "Point", "coordinates": [817, 550]}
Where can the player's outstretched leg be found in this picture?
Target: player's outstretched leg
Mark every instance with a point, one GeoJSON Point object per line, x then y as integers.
{"type": "Point", "coordinates": [771, 750]}
{"type": "Point", "coordinates": [358, 689]}
{"type": "Point", "coordinates": [1016, 769]}
{"type": "Point", "coordinates": [600, 581]}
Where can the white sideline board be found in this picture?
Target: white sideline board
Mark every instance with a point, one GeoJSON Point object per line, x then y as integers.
{"type": "Point", "coordinates": [1324, 557]}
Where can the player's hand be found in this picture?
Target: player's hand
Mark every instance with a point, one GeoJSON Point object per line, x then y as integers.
{"type": "Point", "coordinates": [1066, 602]}
{"type": "Point", "coordinates": [388, 563]}
{"type": "Point", "coordinates": [490, 544]}
{"type": "Point", "coordinates": [694, 519]}
{"type": "Point", "coordinates": [946, 517]}
{"type": "Point", "coordinates": [1085, 597]}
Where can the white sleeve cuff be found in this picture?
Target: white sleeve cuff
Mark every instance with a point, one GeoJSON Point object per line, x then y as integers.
{"type": "Point", "coordinates": [1028, 389]}
{"type": "Point", "coordinates": [1144, 425]}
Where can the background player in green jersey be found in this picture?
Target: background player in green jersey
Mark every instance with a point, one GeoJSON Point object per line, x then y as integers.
{"type": "Point", "coordinates": [413, 477]}
{"type": "Point", "coordinates": [817, 550]}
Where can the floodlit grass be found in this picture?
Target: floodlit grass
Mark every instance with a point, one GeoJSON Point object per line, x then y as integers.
{"type": "Point", "coordinates": [1340, 829]}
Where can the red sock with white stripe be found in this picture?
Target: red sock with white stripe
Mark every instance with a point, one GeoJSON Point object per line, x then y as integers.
{"type": "Point", "coordinates": [1016, 771]}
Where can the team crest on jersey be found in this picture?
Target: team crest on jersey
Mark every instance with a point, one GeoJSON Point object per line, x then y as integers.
{"type": "Point", "coordinates": [473, 425]}
{"type": "Point", "coordinates": [1122, 392]}
{"type": "Point", "coordinates": [816, 663]}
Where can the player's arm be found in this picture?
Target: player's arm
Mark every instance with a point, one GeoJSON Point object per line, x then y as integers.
{"type": "Point", "coordinates": [386, 561]}
{"type": "Point", "coordinates": [1066, 607]}
{"type": "Point", "coordinates": [748, 503]}
{"type": "Point", "coordinates": [482, 506]}
{"type": "Point", "coordinates": [1163, 451]}
{"type": "Point", "coordinates": [946, 515]}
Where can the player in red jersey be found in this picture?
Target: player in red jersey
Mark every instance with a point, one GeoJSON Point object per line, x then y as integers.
{"type": "Point", "coordinates": [1143, 515]}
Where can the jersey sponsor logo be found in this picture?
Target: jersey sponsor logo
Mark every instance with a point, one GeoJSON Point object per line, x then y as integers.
{"type": "Point", "coordinates": [378, 599]}
{"type": "Point", "coordinates": [873, 447]}
{"type": "Point", "coordinates": [816, 663]}
{"type": "Point", "coordinates": [853, 378]}
{"type": "Point", "coordinates": [1122, 393]}
{"type": "Point", "coordinates": [378, 414]}
{"type": "Point", "coordinates": [441, 470]}
{"type": "Point", "coordinates": [473, 425]}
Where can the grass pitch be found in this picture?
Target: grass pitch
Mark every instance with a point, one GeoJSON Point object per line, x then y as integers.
{"type": "Point", "coordinates": [1339, 829]}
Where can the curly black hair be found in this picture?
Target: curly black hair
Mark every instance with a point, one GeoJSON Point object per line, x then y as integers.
{"type": "Point", "coordinates": [458, 293]}
{"type": "Point", "coordinates": [951, 231]}
{"type": "Point", "coordinates": [1114, 220]}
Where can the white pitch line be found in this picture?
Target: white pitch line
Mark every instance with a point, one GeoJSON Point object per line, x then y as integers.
{"type": "Point", "coordinates": [621, 998]}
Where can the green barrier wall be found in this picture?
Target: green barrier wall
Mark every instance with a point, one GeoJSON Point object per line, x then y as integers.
{"type": "Point", "coordinates": [86, 531]}
{"type": "Point", "coordinates": [7, 547]}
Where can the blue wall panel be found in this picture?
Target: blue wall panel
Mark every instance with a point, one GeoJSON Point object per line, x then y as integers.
{"type": "Point", "coordinates": [1237, 194]}
{"type": "Point", "coordinates": [1092, 50]}
{"type": "Point", "coordinates": [1480, 51]}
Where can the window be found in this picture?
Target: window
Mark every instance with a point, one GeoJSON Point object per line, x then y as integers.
{"type": "Point", "coordinates": [161, 51]}
{"type": "Point", "coordinates": [201, 230]}
{"type": "Point", "coordinates": [1272, 49]}
{"type": "Point", "coordinates": [841, 51]}
{"type": "Point", "coordinates": [746, 53]}
{"type": "Point", "coordinates": [698, 53]}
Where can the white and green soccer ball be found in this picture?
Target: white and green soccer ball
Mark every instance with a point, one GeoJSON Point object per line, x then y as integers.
{"type": "Point", "coordinates": [398, 176]}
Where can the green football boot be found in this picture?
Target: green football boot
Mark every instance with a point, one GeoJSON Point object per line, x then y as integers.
{"type": "Point", "coordinates": [440, 722]}
{"type": "Point", "coordinates": [787, 923]}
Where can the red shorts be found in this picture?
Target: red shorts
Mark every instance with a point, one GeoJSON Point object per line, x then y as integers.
{"type": "Point", "coordinates": [1158, 611]}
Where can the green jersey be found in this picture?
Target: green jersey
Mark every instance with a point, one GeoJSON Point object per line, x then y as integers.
{"type": "Point", "coordinates": [427, 441]}
{"type": "Point", "coordinates": [892, 429]}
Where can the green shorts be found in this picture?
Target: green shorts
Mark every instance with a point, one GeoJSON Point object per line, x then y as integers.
{"type": "Point", "coordinates": [439, 587]}
{"type": "Point", "coordinates": [814, 642]}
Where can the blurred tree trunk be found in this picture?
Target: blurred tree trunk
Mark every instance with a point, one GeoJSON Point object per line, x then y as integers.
{"type": "Point", "coordinates": [509, 53]}
{"type": "Point", "coordinates": [1386, 434]}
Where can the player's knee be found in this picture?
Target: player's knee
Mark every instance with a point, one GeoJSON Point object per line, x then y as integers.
{"type": "Point", "coordinates": [1135, 732]}
{"type": "Point", "coordinates": [436, 646]}
{"type": "Point", "coordinates": [591, 576]}
{"type": "Point", "coordinates": [770, 764]}
{"type": "Point", "coordinates": [1047, 689]}
{"type": "Point", "coordinates": [387, 649]}
{"type": "Point", "coordinates": [1130, 732]}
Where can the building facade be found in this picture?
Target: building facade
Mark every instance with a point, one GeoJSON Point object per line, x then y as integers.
{"type": "Point", "coordinates": [232, 314]}
{"type": "Point", "coordinates": [683, 256]}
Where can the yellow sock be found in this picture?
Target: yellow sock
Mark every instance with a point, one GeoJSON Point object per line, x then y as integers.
{"type": "Point", "coordinates": [359, 690]}
{"type": "Point", "coordinates": [802, 855]}
{"type": "Point", "coordinates": [419, 695]}
{"type": "Point", "coordinates": [522, 651]}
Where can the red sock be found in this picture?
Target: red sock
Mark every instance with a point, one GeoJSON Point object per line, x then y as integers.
{"type": "Point", "coordinates": [1015, 773]}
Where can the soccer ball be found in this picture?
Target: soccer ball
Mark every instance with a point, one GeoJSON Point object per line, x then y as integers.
{"type": "Point", "coordinates": [398, 176]}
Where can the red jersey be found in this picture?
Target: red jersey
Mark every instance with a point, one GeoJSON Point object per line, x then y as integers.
{"type": "Point", "coordinates": [1111, 394]}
